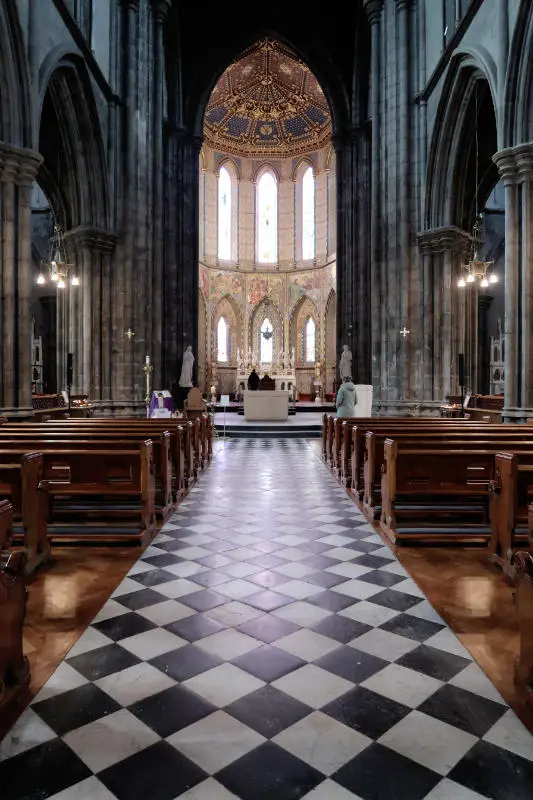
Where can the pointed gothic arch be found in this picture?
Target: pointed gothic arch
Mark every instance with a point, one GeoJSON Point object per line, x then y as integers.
{"type": "Point", "coordinates": [229, 310]}
{"type": "Point", "coordinates": [304, 310]}
{"type": "Point", "coordinates": [15, 94]}
{"type": "Point", "coordinates": [266, 309]}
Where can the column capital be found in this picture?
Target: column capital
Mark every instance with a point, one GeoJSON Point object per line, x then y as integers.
{"type": "Point", "coordinates": [130, 5]}
{"type": "Point", "coordinates": [373, 10]}
{"type": "Point", "coordinates": [96, 240]}
{"type": "Point", "coordinates": [403, 5]}
{"type": "Point", "coordinates": [524, 161]}
{"type": "Point", "coordinates": [160, 9]}
{"type": "Point", "coordinates": [505, 160]}
{"type": "Point", "coordinates": [440, 240]}
{"type": "Point", "coordinates": [18, 164]}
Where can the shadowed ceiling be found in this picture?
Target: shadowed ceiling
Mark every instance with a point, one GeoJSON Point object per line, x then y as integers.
{"type": "Point", "coordinates": [267, 103]}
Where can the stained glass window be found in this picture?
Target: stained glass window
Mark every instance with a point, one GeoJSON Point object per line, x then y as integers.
{"type": "Point", "coordinates": [224, 215]}
{"type": "Point", "coordinates": [308, 215]}
{"type": "Point", "coordinates": [222, 340]}
{"type": "Point", "coordinates": [266, 342]}
{"type": "Point", "coordinates": [267, 219]}
{"type": "Point", "coordinates": [310, 340]}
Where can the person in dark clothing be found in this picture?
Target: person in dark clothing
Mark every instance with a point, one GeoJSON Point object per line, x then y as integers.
{"type": "Point", "coordinates": [253, 381]}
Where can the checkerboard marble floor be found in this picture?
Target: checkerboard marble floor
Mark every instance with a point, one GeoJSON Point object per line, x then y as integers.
{"type": "Point", "coordinates": [267, 647]}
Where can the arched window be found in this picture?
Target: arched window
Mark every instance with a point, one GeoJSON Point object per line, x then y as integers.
{"type": "Point", "coordinates": [267, 219]}
{"type": "Point", "coordinates": [224, 215]}
{"type": "Point", "coordinates": [308, 215]}
{"type": "Point", "coordinates": [310, 340]}
{"type": "Point", "coordinates": [266, 342]}
{"type": "Point", "coordinates": [222, 340]}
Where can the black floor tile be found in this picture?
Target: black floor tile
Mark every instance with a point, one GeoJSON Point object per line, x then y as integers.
{"type": "Point", "coordinates": [325, 579]}
{"type": "Point", "coordinates": [209, 578]}
{"type": "Point", "coordinates": [174, 546]}
{"type": "Point", "coordinates": [366, 712]}
{"type": "Point", "coordinates": [495, 773]}
{"type": "Point", "coordinates": [268, 628]}
{"type": "Point", "coordinates": [315, 547]}
{"type": "Point", "coordinates": [380, 578]}
{"type": "Point", "coordinates": [342, 629]}
{"type": "Point", "coordinates": [435, 663]}
{"type": "Point", "coordinates": [70, 710]}
{"type": "Point", "coordinates": [465, 710]}
{"type": "Point", "coordinates": [268, 579]}
{"type": "Point", "coordinates": [399, 601]}
{"type": "Point", "coordinates": [171, 710]}
{"type": "Point", "coordinates": [142, 599]}
{"type": "Point", "coordinates": [203, 600]}
{"type": "Point", "coordinates": [268, 711]}
{"type": "Point", "coordinates": [331, 601]}
{"type": "Point", "coordinates": [158, 773]}
{"type": "Point", "coordinates": [351, 664]}
{"type": "Point", "coordinates": [103, 661]}
{"type": "Point", "coordinates": [154, 577]}
{"type": "Point", "coordinates": [123, 626]}
{"type": "Point", "coordinates": [41, 772]}
{"type": "Point", "coordinates": [269, 773]}
{"type": "Point", "coordinates": [186, 662]}
{"type": "Point", "coordinates": [381, 774]}
{"type": "Point", "coordinates": [368, 560]}
{"type": "Point", "coordinates": [268, 663]}
{"type": "Point", "coordinates": [318, 561]}
{"type": "Point", "coordinates": [412, 627]}
{"type": "Point", "coordinates": [195, 627]}
{"type": "Point", "coordinates": [364, 547]}
{"type": "Point", "coordinates": [164, 560]}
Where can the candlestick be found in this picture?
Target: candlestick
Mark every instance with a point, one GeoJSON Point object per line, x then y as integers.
{"type": "Point", "coordinates": [147, 359]}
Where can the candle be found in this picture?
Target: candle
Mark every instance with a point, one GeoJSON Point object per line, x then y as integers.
{"type": "Point", "coordinates": [147, 360]}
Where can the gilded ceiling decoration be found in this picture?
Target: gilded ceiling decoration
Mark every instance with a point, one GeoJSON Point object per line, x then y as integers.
{"type": "Point", "coordinates": [268, 103]}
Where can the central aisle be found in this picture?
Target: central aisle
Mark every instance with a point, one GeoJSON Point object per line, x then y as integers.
{"type": "Point", "coordinates": [267, 647]}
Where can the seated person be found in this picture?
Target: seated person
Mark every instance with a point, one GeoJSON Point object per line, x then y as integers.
{"type": "Point", "coordinates": [253, 381]}
{"type": "Point", "coordinates": [346, 398]}
{"type": "Point", "coordinates": [239, 396]}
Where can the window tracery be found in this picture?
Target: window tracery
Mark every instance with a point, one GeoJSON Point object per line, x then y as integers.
{"type": "Point", "coordinates": [224, 214]}
{"type": "Point", "coordinates": [310, 341]}
{"type": "Point", "coordinates": [266, 342]}
{"type": "Point", "coordinates": [308, 215]}
{"type": "Point", "coordinates": [222, 340]}
{"type": "Point", "coordinates": [267, 219]}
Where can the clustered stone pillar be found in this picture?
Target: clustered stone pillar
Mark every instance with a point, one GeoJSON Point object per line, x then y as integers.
{"type": "Point", "coordinates": [373, 10]}
{"type": "Point", "coordinates": [18, 168]}
{"type": "Point", "coordinates": [516, 171]}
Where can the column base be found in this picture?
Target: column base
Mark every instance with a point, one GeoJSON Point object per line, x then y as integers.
{"type": "Point", "coordinates": [118, 408]}
{"type": "Point", "coordinates": [17, 414]}
{"type": "Point", "coordinates": [517, 415]}
{"type": "Point", "coordinates": [407, 408]}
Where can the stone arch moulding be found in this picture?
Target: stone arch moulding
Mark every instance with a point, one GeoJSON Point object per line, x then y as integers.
{"type": "Point", "coordinates": [229, 309]}
{"type": "Point", "coordinates": [304, 309]}
{"type": "Point", "coordinates": [265, 308]}
{"type": "Point", "coordinates": [15, 94]}
{"type": "Point", "coordinates": [203, 342]}
{"type": "Point", "coordinates": [298, 175]}
{"type": "Point", "coordinates": [70, 123]}
{"type": "Point", "coordinates": [446, 141]}
{"type": "Point", "coordinates": [518, 93]}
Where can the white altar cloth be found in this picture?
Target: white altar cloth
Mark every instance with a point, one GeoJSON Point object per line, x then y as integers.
{"type": "Point", "coordinates": [263, 406]}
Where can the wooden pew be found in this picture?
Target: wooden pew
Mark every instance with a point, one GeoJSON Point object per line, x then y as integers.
{"type": "Point", "coordinates": [410, 436]}
{"type": "Point", "coordinates": [437, 484]}
{"type": "Point", "coordinates": [14, 667]}
{"type": "Point", "coordinates": [509, 493]}
{"type": "Point", "coordinates": [19, 482]}
{"type": "Point", "coordinates": [523, 565]}
{"type": "Point", "coordinates": [43, 438]}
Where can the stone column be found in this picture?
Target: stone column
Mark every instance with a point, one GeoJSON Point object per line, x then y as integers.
{"type": "Point", "coordinates": [18, 168]}
{"type": "Point", "coordinates": [180, 280]}
{"type": "Point", "coordinates": [524, 164]}
{"type": "Point", "coordinates": [505, 161]}
{"type": "Point", "coordinates": [373, 10]}
{"type": "Point", "coordinates": [483, 359]}
{"type": "Point", "coordinates": [160, 12]}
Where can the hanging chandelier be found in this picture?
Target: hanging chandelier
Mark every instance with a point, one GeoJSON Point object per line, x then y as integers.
{"type": "Point", "coordinates": [477, 270]}
{"type": "Point", "coordinates": [56, 268]}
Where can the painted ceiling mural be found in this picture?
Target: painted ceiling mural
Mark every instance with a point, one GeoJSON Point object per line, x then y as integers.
{"type": "Point", "coordinates": [267, 103]}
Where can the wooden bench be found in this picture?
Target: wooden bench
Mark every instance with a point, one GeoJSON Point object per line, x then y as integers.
{"type": "Point", "coordinates": [509, 493]}
{"type": "Point", "coordinates": [437, 484]}
{"type": "Point", "coordinates": [523, 565]}
{"type": "Point", "coordinates": [43, 438]}
{"type": "Point", "coordinates": [19, 483]}
{"type": "Point", "coordinates": [408, 437]}
{"type": "Point", "coordinates": [14, 667]}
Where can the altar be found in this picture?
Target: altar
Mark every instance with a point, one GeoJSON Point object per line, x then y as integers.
{"type": "Point", "coordinates": [266, 405]}
{"type": "Point", "coordinates": [281, 371]}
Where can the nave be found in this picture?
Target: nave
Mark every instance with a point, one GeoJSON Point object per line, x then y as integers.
{"type": "Point", "coordinates": [267, 645]}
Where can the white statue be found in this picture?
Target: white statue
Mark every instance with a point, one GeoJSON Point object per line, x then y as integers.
{"type": "Point", "coordinates": [345, 365]}
{"type": "Point", "coordinates": [186, 369]}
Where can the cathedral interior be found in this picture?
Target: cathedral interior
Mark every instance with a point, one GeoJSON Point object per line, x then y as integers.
{"type": "Point", "coordinates": [201, 599]}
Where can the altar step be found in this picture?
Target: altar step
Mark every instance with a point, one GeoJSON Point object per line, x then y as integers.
{"type": "Point", "coordinates": [262, 430]}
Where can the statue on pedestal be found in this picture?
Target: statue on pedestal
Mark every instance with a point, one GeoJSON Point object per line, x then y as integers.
{"type": "Point", "coordinates": [186, 369]}
{"type": "Point", "coordinates": [345, 364]}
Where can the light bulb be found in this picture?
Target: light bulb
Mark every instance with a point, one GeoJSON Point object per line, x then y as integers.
{"type": "Point", "coordinates": [41, 279]}
{"type": "Point", "coordinates": [461, 283]}
{"type": "Point", "coordinates": [55, 276]}
{"type": "Point", "coordinates": [470, 278]}
{"type": "Point", "coordinates": [493, 278]}
{"type": "Point", "coordinates": [484, 283]}
{"type": "Point", "coordinates": [61, 284]}
{"type": "Point", "coordinates": [75, 281]}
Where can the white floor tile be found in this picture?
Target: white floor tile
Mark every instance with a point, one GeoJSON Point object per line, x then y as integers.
{"type": "Point", "coordinates": [152, 643]}
{"type": "Point", "coordinates": [473, 679]}
{"type": "Point", "coordinates": [307, 644]}
{"type": "Point", "coordinates": [208, 790]}
{"type": "Point", "coordinates": [185, 569]}
{"type": "Point", "coordinates": [357, 589]}
{"type": "Point", "coordinates": [510, 734]}
{"type": "Point", "coordinates": [234, 614]}
{"type": "Point", "coordinates": [237, 589]}
{"type": "Point", "coordinates": [89, 789]}
{"type": "Point", "coordinates": [27, 732]}
{"type": "Point", "coordinates": [128, 585]}
{"type": "Point", "coordinates": [369, 613]}
{"type": "Point", "coordinates": [90, 640]}
{"type": "Point", "coordinates": [346, 570]}
{"type": "Point", "coordinates": [428, 741]}
{"type": "Point", "coordinates": [408, 586]}
{"type": "Point", "coordinates": [223, 685]}
{"type": "Point", "coordinates": [240, 570]}
{"type": "Point", "coordinates": [62, 680]}
{"type": "Point", "coordinates": [449, 790]}
{"type": "Point", "coordinates": [302, 613]}
{"type": "Point", "coordinates": [294, 570]}
{"type": "Point", "coordinates": [166, 612]}
{"type": "Point", "coordinates": [215, 741]}
{"type": "Point", "coordinates": [109, 610]}
{"type": "Point", "coordinates": [329, 790]}
{"type": "Point", "coordinates": [300, 590]}
{"type": "Point", "coordinates": [177, 588]}
{"type": "Point", "coordinates": [403, 685]}
{"type": "Point", "coordinates": [313, 686]}
{"type": "Point", "coordinates": [134, 683]}
{"type": "Point", "coordinates": [424, 610]}
{"type": "Point", "coordinates": [384, 644]}
{"type": "Point", "coordinates": [228, 644]}
{"type": "Point", "coordinates": [446, 640]}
